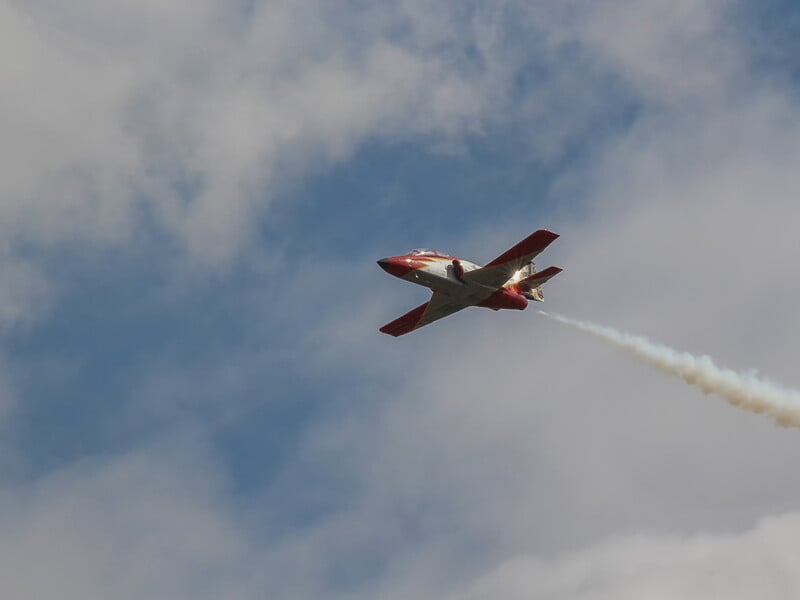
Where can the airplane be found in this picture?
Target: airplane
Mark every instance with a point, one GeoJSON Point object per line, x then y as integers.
{"type": "Point", "coordinates": [508, 281]}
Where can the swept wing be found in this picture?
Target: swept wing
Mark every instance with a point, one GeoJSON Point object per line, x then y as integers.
{"type": "Point", "coordinates": [439, 306]}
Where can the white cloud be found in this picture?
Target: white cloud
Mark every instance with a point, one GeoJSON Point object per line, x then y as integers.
{"type": "Point", "coordinates": [760, 562]}
{"type": "Point", "coordinates": [191, 118]}
{"type": "Point", "coordinates": [672, 53]}
{"type": "Point", "coordinates": [502, 437]}
{"type": "Point", "coordinates": [196, 109]}
{"type": "Point", "coordinates": [149, 524]}
{"type": "Point", "coordinates": [486, 439]}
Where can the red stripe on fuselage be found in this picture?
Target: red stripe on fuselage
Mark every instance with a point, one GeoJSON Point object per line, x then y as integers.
{"type": "Point", "coordinates": [400, 266]}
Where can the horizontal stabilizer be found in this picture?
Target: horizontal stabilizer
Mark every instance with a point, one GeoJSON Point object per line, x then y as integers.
{"type": "Point", "coordinates": [539, 278]}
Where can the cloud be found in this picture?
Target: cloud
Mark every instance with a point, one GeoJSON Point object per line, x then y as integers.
{"type": "Point", "coordinates": [671, 54]}
{"type": "Point", "coordinates": [149, 523]}
{"type": "Point", "coordinates": [487, 439]}
{"type": "Point", "coordinates": [194, 113]}
{"type": "Point", "coordinates": [176, 126]}
{"type": "Point", "coordinates": [500, 437]}
{"type": "Point", "coordinates": [193, 117]}
{"type": "Point", "coordinates": [755, 562]}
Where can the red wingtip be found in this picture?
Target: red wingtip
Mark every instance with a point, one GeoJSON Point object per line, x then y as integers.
{"type": "Point", "coordinates": [533, 244]}
{"type": "Point", "coordinates": [408, 322]}
{"type": "Point", "coordinates": [548, 272]}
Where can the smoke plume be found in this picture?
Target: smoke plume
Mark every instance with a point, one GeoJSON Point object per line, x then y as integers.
{"type": "Point", "coordinates": [744, 390]}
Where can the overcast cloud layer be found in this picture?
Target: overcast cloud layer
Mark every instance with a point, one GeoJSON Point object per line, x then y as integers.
{"type": "Point", "coordinates": [490, 455]}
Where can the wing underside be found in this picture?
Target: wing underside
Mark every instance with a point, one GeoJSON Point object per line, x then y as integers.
{"type": "Point", "coordinates": [440, 305]}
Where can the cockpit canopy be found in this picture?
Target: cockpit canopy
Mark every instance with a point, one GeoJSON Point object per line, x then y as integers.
{"type": "Point", "coordinates": [424, 252]}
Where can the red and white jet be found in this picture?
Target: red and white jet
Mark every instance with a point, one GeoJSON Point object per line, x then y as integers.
{"type": "Point", "coordinates": [509, 281]}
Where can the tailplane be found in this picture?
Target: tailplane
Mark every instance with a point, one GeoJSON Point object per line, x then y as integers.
{"type": "Point", "coordinates": [531, 286]}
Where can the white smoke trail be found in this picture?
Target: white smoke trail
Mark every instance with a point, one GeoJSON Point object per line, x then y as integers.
{"type": "Point", "coordinates": [740, 389]}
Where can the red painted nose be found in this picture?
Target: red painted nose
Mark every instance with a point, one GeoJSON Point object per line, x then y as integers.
{"type": "Point", "coordinates": [398, 266]}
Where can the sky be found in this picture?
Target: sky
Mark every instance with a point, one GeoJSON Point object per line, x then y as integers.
{"type": "Point", "coordinates": [195, 401]}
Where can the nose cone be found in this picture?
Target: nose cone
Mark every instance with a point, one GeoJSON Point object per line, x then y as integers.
{"type": "Point", "coordinates": [399, 266]}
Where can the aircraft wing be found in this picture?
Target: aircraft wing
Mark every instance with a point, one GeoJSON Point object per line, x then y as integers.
{"type": "Point", "coordinates": [439, 306]}
{"type": "Point", "coordinates": [502, 268]}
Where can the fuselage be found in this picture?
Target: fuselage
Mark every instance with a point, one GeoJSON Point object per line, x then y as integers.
{"type": "Point", "coordinates": [450, 275]}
